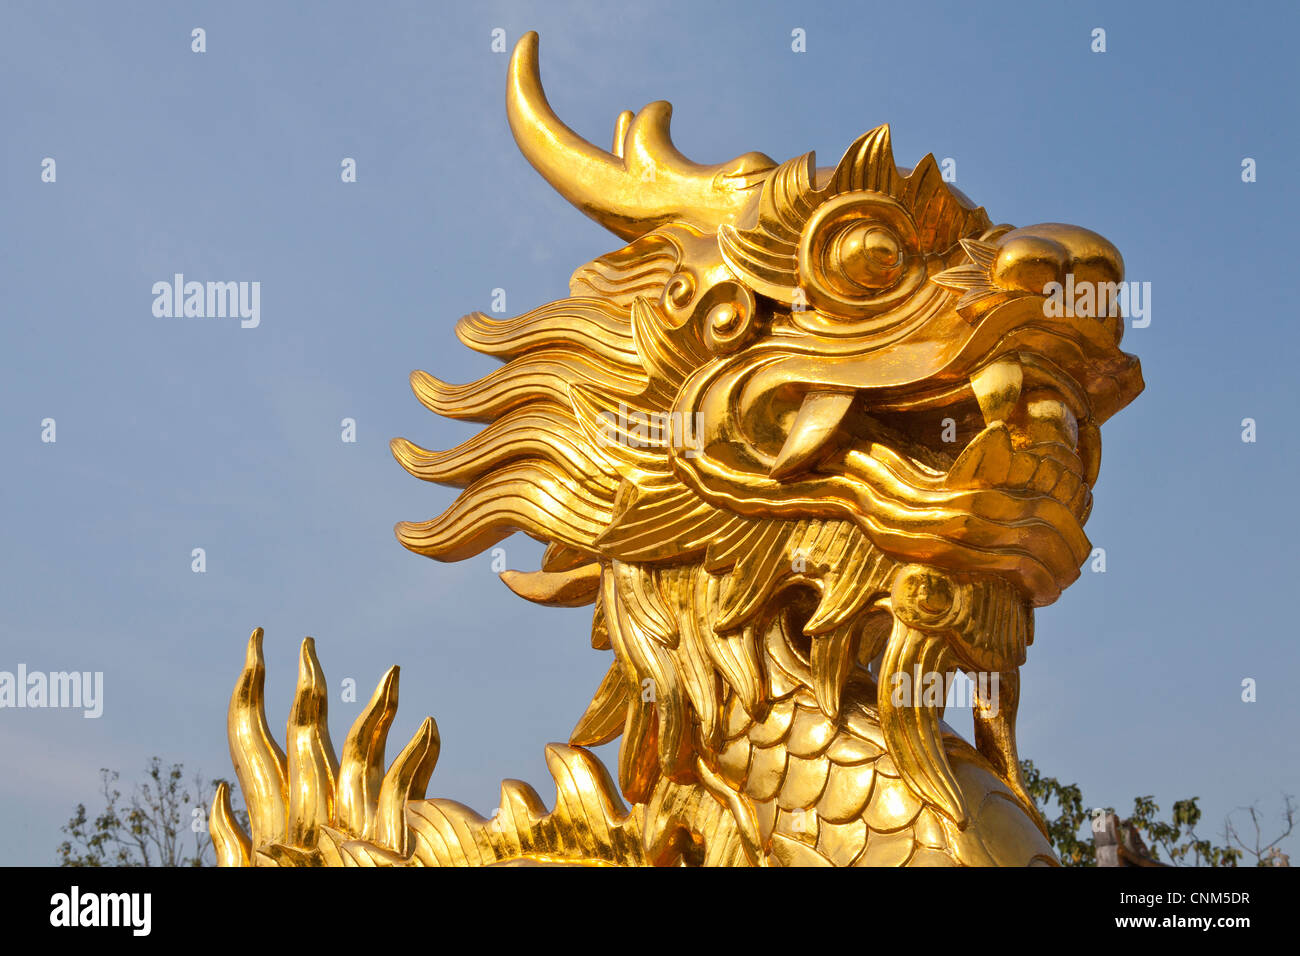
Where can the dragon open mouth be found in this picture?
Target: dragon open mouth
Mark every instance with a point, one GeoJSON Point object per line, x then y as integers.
{"type": "Point", "coordinates": [989, 468]}
{"type": "Point", "coordinates": [1013, 426]}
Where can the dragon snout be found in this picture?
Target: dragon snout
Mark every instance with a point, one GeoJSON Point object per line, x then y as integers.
{"type": "Point", "coordinates": [1030, 258]}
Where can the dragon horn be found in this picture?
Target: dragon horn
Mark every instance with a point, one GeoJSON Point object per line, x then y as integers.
{"type": "Point", "coordinates": [645, 183]}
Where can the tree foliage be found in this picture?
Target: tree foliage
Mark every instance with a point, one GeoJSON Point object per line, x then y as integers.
{"type": "Point", "coordinates": [161, 822]}
{"type": "Point", "coordinates": [1063, 829]}
{"type": "Point", "coordinates": [1175, 838]}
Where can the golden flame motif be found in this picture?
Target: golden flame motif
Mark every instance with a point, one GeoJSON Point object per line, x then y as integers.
{"type": "Point", "coordinates": [808, 435]}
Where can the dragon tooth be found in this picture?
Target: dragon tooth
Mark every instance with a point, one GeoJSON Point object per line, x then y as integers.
{"type": "Point", "coordinates": [1049, 419]}
{"type": "Point", "coordinates": [985, 462]}
{"type": "Point", "coordinates": [815, 424]}
{"type": "Point", "coordinates": [997, 388]}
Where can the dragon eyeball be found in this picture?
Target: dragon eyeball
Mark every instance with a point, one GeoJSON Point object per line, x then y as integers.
{"type": "Point", "coordinates": [864, 256]}
{"type": "Point", "coordinates": [859, 255]}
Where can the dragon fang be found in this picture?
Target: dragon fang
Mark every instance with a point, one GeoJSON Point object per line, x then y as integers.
{"type": "Point", "coordinates": [819, 534]}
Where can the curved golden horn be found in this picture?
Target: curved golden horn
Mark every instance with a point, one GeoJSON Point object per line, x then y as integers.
{"type": "Point", "coordinates": [645, 183]}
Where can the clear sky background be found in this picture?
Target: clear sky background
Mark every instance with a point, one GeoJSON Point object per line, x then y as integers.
{"type": "Point", "coordinates": [175, 434]}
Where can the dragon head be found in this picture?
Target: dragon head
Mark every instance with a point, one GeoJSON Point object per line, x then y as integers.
{"type": "Point", "coordinates": [809, 428]}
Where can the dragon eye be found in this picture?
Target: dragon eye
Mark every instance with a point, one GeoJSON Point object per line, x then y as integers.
{"type": "Point", "coordinates": [863, 257]}
{"type": "Point", "coordinates": [859, 256]}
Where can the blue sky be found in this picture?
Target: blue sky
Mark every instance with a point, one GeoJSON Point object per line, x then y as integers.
{"type": "Point", "coordinates": [175, 434]}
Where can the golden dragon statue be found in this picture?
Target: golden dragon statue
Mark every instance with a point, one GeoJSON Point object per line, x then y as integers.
{"type": "Point", "coordinates": [812, 442]}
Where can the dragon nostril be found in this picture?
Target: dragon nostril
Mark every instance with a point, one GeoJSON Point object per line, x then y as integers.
{"type": "Point", "coordinates": [1096, 265]}
{"type": "Point", "coordinates": [1029, 263]}
{"type": "Point", "coordinates": [1033, 256]}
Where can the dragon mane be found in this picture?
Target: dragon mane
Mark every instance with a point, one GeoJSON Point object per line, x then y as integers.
{"type": "Point", "coordinates": [571, 456]}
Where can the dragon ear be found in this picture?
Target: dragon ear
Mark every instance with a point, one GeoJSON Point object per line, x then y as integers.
{"type": "Point", "coordinates": [645, 183]}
